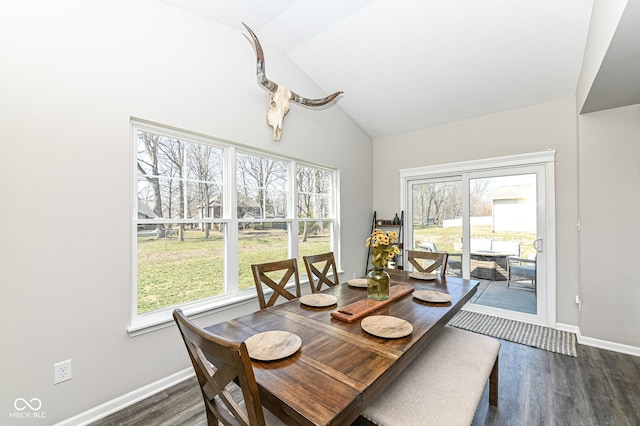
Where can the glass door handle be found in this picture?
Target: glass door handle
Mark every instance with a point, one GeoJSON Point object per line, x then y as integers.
{"type": "Point", "coordinates": [537, 244]}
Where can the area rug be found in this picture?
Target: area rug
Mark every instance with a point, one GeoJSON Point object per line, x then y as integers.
{"type": "Point", "coordinates": [549, 339]}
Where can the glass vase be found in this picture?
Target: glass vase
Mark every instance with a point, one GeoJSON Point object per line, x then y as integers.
{"type": "Point", "coordinates": [378, 284]}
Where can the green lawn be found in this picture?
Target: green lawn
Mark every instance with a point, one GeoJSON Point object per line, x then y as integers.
{"type": "Point", "coordinates": [445, 238]}
{"type": "Point", "coordinates": [172, 272]}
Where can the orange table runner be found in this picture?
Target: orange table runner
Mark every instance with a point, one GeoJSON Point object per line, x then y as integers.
{"type": "Point", "coordinates": [361, 308]}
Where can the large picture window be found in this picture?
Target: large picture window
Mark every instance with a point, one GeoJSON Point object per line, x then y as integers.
{"type": "Point", "coordinates": [205, 211]}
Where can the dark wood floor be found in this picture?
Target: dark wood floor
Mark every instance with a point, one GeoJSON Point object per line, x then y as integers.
{"type": "Point", "coordinates": [537, 387]}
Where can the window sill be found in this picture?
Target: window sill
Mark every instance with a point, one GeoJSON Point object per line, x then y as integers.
{"type": "Point", "coordinates": [158, 320]}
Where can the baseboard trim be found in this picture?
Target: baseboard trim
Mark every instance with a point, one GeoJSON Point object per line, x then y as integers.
{"type": "Point", "coordinates": [121, 402]}
{"type": "Point", "coordinates": [570, 328]}
{"type": "Point", "coordinates": [610, 346]}
{"type": "Point", "coordinates": [598, 343]}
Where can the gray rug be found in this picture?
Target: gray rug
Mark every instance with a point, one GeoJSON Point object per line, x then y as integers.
{"type": "Point", "coordinates": [518, 297]}
{"type": "Point", "coordinates": [549, 339]}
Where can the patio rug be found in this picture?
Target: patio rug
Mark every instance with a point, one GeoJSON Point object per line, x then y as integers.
{"type": "Point", "coordinates": [549, 339]}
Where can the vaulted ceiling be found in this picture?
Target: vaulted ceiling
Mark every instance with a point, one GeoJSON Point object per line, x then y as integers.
{"type": "Point", "coordinates": [410, 64]}
{"type": "Point", "coordinates": [617, 83]}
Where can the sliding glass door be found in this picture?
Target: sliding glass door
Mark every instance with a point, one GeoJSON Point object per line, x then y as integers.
{"type": "Point", "coordinates": [494, 223]}
{"type": "Point", "coordinates": [503, 230]}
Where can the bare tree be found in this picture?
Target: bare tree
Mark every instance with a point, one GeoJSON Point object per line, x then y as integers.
{"type": "Point", "coordinates": [149, 167]}
{"type": "Point", "coordinates": [204, 163]}
{"type": "Point", "coordinates": [259, 176]}
{"type": "Point", "coordinates": [480, 205]}
{"type": "Point", "coordinates": [305, 182]}
{"type": "Point", "coordinates": [436, 202]}
{"type": "Point", "coordinates": [173, 150]}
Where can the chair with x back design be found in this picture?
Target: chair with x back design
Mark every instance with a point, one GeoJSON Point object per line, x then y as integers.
{"type": "Point", "coordinates": [435, 260]}
{"type": "Point", "coordinates": [317, 277]}
{"type": "Point", "coordinates": [288, 267]}
{"type": "Point", "coordinates": [218, 362]}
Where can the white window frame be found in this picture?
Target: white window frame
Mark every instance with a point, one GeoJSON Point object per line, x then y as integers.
{"type": "Point", "coordinates": [143, 323]}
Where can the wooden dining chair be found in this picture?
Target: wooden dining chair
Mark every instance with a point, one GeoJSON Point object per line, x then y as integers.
{"type": "Point", "coordinates": [427, 261]}
{"type": "Point", "coordinates": [318, 267]}
{"type": "Point", "coordinates": [218, 362]}
{"type": "Point", "coordinates": [263, 273]}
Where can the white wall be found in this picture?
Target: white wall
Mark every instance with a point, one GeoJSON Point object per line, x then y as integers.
{"type": "Point", "coordinates": [610, 237]}
{"type": "Point", "coordinates": [72, 75]}
{"type": "Point", "coordinates": [609, 171]}
{"type": "Point", "coordinates": [550, 125]}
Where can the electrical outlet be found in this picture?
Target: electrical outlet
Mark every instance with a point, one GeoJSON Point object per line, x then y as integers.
{"type": "Point", "coordinates": [61, 371]}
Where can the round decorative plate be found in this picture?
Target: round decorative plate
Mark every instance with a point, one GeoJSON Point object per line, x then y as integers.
{"type": "Point", "coordinates": [432, 296]}
{"type": "Point", "coordinates": [272, 345]}
{"type": "Point", "coordinates": [423, 276]}
{"type": "Point", "coordinates": [318, 300]}
{"type": "Point", "coordinates": [386, 326]}
{"type": "Point", "coordinates": [357, 282]}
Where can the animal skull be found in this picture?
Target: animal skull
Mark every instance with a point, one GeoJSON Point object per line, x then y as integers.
{"type": "Point", "coordinates": [280, 95]}
{"type": "Point", "coordinates": [278, 108]}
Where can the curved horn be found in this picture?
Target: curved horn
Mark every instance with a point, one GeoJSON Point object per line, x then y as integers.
{"type": "Point", "coordinates": [313, 102]}
{"type": "Point", "coordinates": [262, 76]}
{"type": "Point", "coordinates": [272, 86]}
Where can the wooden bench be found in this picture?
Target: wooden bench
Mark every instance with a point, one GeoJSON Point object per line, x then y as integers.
{"type": "Point", "coordinates": [443, 385]}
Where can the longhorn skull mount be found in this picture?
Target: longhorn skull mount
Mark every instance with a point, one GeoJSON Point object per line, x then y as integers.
{"type": "Point", "coordinates": [280, 95]}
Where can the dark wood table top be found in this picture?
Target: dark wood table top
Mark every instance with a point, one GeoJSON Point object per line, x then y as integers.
{"type": "Point", "coordinates": [340, 368]}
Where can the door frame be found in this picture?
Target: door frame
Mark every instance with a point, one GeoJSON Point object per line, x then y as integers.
{"type": "Point", "coordinates": [546, 218]}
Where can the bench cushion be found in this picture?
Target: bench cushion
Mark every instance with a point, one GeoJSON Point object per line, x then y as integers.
{"type": "Point", "coordinates": [442, 386]}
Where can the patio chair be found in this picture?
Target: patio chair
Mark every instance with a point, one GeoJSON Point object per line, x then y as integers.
{"type": "Point", "coordinates": [522, 269]}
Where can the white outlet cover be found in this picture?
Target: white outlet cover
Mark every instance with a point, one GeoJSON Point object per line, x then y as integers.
{"type": "Point", "coordinates": [61, 371]}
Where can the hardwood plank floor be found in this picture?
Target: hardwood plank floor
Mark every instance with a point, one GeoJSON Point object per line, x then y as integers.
{"type": "Point", "coordinates": [537, 387]}
{"type": "Point", "coordinates": [543, 388]}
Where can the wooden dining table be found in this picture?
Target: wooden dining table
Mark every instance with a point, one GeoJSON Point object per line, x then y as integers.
{"type": "Point", "coordinates": [340, 368]}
